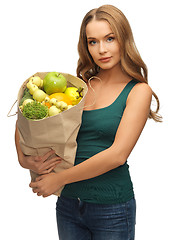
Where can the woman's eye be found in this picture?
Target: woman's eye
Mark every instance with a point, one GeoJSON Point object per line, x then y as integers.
{"type": "Point", "coordinates": [92, 42]}
{"type": "Point", "coordinates": [110, 39]}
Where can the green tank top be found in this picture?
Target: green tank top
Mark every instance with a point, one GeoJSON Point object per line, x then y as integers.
{"type": "Point", "coordinates": [97, 133]}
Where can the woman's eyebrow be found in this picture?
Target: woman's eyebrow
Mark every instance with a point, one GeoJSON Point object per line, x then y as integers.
{"type": "Point", "coordinates": [109, 34]}
{"type": "Point", "coordinates": [104, 36]}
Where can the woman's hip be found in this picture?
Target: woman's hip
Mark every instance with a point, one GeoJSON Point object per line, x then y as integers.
{"type": "Point", "coordinates": [113, 221]}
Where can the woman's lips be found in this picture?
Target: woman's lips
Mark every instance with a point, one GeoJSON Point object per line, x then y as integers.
{"type": "Point", "coordinates": [105, 59]}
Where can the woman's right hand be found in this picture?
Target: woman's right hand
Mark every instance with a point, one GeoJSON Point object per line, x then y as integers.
{"type": "Point", "coordinates": [41, 164]}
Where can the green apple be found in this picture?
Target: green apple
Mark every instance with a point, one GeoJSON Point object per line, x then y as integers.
{"type": "Point", "coordinates": [54, 82]}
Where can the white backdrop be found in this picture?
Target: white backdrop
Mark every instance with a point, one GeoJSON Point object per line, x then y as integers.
{"type": "Point", "coordinates": [39, 35]}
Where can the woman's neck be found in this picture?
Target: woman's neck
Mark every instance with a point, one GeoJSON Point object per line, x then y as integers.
{"type": "Point", "coordinates": [113, 75]}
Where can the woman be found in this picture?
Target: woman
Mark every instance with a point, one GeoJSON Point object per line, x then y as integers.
{"type": "Point", "coordinates": [98, 201]}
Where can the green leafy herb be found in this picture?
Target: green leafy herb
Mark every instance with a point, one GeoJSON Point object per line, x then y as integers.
{"type": "Point", "coordinates": [35, 110]}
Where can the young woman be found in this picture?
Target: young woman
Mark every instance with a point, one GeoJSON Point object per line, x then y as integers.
{"type": "Point", "coordinates": [98, 201]}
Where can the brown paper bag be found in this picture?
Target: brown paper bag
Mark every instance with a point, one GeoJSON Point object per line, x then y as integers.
{"type": "Point", "coordinates": [58, 132]}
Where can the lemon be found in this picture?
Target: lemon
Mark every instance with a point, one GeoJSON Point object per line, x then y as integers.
{"type": "Point", "coordinates": [74, 94]}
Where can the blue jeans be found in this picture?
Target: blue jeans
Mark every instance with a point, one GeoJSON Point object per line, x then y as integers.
{"type": "Point", "coordinates": [77, 220]}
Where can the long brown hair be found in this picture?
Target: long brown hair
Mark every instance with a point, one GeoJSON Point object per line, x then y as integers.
{"type": "Point", "coordinates": [131, 61]}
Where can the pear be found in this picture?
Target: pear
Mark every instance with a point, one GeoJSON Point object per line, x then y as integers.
{"type": "Point", "coordinates": [47, 99]}
{"type": "Point", "coordinates": [33, 88]}
{"type": "Point", "coordinates": [29, 84]}
{"type": "Point", "coordinates": [42, 84]}
{"type": "Point", "coordinates": [62, 105]}
{"type": "Point", "coordinates": [53, 101]}
{"type": "Point", "coordinates": [27, 101]}
{"type": "Point", "coordinates": [36, 80]}
{"type": "Point", "coordinates": [39, 95]}
{"type": "Point", "coordinates": [53, 110]}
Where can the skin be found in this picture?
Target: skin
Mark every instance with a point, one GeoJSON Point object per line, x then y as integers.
{"type": "Point", "coordinates": [102, 44]}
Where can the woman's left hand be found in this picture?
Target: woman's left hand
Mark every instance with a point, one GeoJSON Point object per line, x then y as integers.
{"type": "Point", "coordinates": [46, 185]}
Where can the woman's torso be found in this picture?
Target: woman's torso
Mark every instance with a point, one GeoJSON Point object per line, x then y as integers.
{"type": "Point", "coordinates": [97, 133]}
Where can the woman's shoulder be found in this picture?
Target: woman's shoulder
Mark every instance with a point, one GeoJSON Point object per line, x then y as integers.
{"type": "Point", "coordinates": [140, 91]}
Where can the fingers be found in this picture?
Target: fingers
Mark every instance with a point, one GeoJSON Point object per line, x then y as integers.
{"type": "Point", "coordinates": [33, 185]}
{"type": "Point", "coordinates": [48, 166]}
{"type": "Point", "coordinates": [50, 163]}
{"type": "Point", "coordinates": [49, 170]}
{"type": "Point", "coordinates": [39, 178]}
{"type": "Point", "coordinates": [37, 187]}
{"type": "Point", "coordinates": [35, 190]}
{"type": "Point", "coordinates": [45, 156]}
{"type": "Point", "coordinates": [44, 164]}
{"type": "Point", "coordinates": [37, 158]}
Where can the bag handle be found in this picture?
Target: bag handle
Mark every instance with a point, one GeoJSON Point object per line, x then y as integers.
{"type": "Point", "coordinates": [8, 115]}
{"type": "Point", "coordinates": [89, 83]}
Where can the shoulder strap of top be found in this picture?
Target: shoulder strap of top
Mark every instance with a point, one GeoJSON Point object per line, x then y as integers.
{"type": "Point", "coordinates": [127, 89]}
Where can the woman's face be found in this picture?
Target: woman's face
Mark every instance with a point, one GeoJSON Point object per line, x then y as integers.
{"type": "Point", "coordinates": [102, 44]}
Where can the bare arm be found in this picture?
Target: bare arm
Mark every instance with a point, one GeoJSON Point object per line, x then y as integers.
{"type": "Point", "coordinates": [129, 130]}
{"type": "Point", "coordinates": [38, 164]}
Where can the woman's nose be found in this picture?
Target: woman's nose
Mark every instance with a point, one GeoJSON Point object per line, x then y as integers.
{"type": "Point", "coordinates": [102, 48]}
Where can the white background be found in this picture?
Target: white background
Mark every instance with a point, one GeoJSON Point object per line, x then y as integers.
{"type": "Point", "coordinates": [39, 35]}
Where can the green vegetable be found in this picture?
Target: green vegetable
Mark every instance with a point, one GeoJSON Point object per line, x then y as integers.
{"type": "Point", "coordinates": [26, 95]}
{"type": "Point", "coordinates": [35, 110]}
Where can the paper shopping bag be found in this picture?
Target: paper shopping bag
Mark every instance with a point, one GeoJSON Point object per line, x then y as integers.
{"type": "Point", "coordinates": [58, 132]}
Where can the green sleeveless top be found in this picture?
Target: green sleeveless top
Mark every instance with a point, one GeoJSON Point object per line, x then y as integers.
{"type": "Point", "coordinates": [97, 133]}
